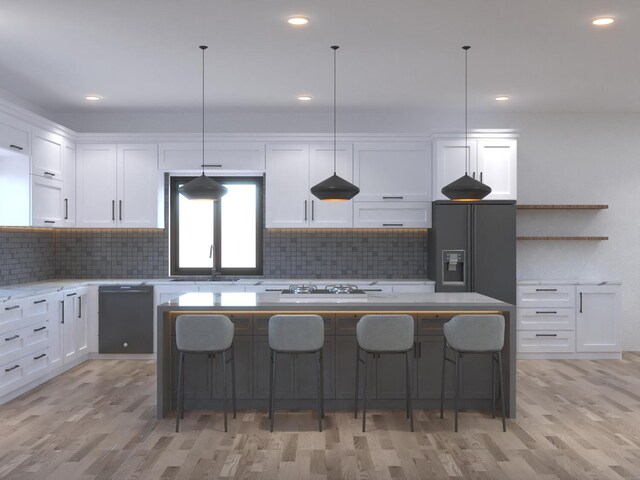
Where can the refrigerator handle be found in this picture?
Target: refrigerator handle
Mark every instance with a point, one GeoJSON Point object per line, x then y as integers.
{"type": "Point", "coordinates": [471, 235]}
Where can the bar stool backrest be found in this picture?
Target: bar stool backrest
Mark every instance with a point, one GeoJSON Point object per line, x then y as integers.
{"type": "Point", "coordinates": [296, 333]}
{"type": "Point", "coordinates": [203, 333]}
{"type": "Point", "coordinates": [475, 333]}
{"type": "Point", "coordinates": [385, 333]}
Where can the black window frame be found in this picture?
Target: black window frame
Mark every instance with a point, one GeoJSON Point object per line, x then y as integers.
{"type": "Point", "coordinates": [174, 216]}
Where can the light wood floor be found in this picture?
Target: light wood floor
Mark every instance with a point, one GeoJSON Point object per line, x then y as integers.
{"type": "Point", "coordinates": [576, 419]}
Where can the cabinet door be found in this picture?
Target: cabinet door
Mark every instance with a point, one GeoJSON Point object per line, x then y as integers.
{"type": "Point", "coordinates": [398, 214]}
{"type": "Point", "coordinates": [218, 156]}
{"type": "Point", "coordinates": [287, 186]}
{"type": "Point", "coordinates": [430, 368]}
{"type": "Point", "coordinates": [497, 167]}
{"type": "Point", "coordinates": [197, 376]}
{"type": "Point", "coordinates": [69, 184]}
{"type": "Point", "coordinates": [261, 365]}
{"type": "Point", "coordinates": [598, 318]}
{"type": "Point", "coordinates": [96, 186]}
{"type": "Point", "coordinates": [306, 383]}
{"type": "Point", "coordinates": [14, 135]}
{"type": "Point", "coordinates": [47, 154]}
{"type": "Point", "coordinates": [47, 204]}
{"type": "Point", "coordinates": [450, 163]}
{"type": "Point", "coordinates": [82, 324]}
{"type": "Point", "coordinates": [56, 327]}
{"type": "Point", "coordinates": [68, 327]}
{"type": "Point", "coordinates": [391, 376]}
{"type": "Point", "coordinates": [346, 370]}
{"type": "Point", "coordinates": [243, 346]}
{"type": "Point", "coordinates": [326, 214]}
{"type": "Point", "coordinates": [393, 171]}
{"type": "Point", "coordinates": [137, 186]}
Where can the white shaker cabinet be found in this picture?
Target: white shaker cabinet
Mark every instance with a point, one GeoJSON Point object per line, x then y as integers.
{"type": "Point", "coordinates": [291, 171]}
{"type": "Point", "coordinates": [598, 318]}
{"type": "Point", "coordinates": [218, 156]}
{"type": "Point", "coordinates": [69, 185]}
{"type": "Point", "coordinates": [47, 203]}
{"type": "Point", "coordinates": [14, 135]}
{"type": "Point", "coordinates": [47, 154]}
{"type": "Point", "coordinates": [118, 186]}
{"type": "Point", "coordinates": [492, 161]}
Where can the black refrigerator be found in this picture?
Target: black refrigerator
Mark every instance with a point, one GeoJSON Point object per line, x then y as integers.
{"type": "Point", "coordinates": [472, 248]}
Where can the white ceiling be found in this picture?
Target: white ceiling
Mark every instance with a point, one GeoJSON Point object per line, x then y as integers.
{"type": "Point", "coordinates": [142, 55]}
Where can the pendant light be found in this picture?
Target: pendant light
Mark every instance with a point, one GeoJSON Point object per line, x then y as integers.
{"type": "Point", "coordinates": [335, 188]}
{"type": "Point", "coordinates": [203, 187]}
{"type": "Point", "coordinates": [466, 188]}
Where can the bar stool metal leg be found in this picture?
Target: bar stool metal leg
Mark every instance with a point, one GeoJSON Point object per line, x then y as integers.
{"type": "Point", "coordinates": [457, 388]}
{"type": "Point", "coordinates": [355, 406]}
{"type": "Point", "coordinates": [180, 390]}
{"type": "Point", "coordinates": [364, 394]}
{"type": "Point", "coordinates": [444, 362]}
{"type": "Point", "coordinates": [319, 386]}
{"type": "Point", "coordinates": [406, 386]}
{"type": "Point", "coordinates": [493, 385]}
{"type": "Point", "coordinates": [224, 388]}
{"type": "Point", "coordinates": [270, 380]}
{"type": "Point", "coordinates": [322, 383]}
{"type": "Point", "coordinates": [504, 423]}
{"type": "Point", "coordinates": [273, 388]}
{"type": "Point", "coordinates": [409, 389]}
{"type": "Point", "coordinates": [233, 378]}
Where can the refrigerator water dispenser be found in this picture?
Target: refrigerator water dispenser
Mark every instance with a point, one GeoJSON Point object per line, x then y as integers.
{"type": "Point", "coordinates": [453, 271]}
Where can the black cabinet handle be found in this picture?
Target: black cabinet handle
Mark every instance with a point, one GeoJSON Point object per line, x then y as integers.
{"type": "Point", "coordinates": [305, 210]}
{"type": "Point", "coordinates": [62, 321]}
{"type": "Point", "coordinates": [392, 224]}
{"type": "Point", "coordinates": [120, 209]}
{"type": "Point", "coordinates": [580, 302]}
{"type": "Point", "coordinates": [113, 210]}
{"type": "Point", "coordinates": [480, 176]}
{"type": "Point", "coordinates": [415, 350]}
{"type": "Point", "coordinates": [50, 174]}
{"type": "Point", "coordinates": [371, 289]}
{"type": "Point", "coordinates": [40, 356]}
{"type": "Point", "coordinates": [66, 209]}
{"type": "Point", "coordinates": [39, 329]}
{"type": "Point", "coordinates": [313, 209]}
{"type": "Point", "coordinates": [12, 307]}
{"type": "Point", "coordinates": [49, 221]}
{"type": "Point", "coordinates": [549, 312]}
{"type": "Point", "coordinates": [212, 165]}
{"type": "Point", "coordinates": [8, 339]}
{"type": "Point", "coordinates": [14, 367]}
{"type": "Point", "coordinates": [273, 289]}
{"type": "Point", "coordinates": [16, 147]}
{"type": "Point", "coordinates": [79, 307]}
{"type": "Point", "coordinates": [40, 301]}
{"type": "Point", "coordinates": [546, 289]}
{"type": "Point", "coordinates": [546, 334]}
{"type": "Point", "coordinates": [71, 294]}
{"type": "Point", "coordinates": [392, 197]}
{"type": "Point", "coordinates": [419, 349]}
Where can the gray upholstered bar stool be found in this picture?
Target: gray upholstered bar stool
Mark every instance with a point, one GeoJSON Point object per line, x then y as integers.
{"type": "Point", "coordinates": [384, 334]}
{"type": "Point", "coordinates": [202, 334]}
{"type": "Point", "coordinates": [474, 334]}
{"type": "Point", "coordinates": [296, 334]}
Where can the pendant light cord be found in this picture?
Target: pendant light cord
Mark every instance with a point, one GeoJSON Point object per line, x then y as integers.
{"type": "Point", "coordinates": [203, 48]}
{"type": "Point", "coordinates": [466, 115]}
{"type": "Point", "coordinates": [335, 48]}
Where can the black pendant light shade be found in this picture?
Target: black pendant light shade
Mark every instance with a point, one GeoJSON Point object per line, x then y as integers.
{"type": "Point", "coordinates": [335, 188]}
{"type": "Point", "coordinates": [466, 188]}
{"type": "Point", "coordinates": [203, 187]}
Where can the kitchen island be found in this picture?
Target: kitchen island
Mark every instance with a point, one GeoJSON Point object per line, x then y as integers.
{"type": "Point", "coordinates": [250, 313]}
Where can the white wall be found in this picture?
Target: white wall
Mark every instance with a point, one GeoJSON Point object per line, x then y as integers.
{"type": "Point", "coordinates": [562, 158]}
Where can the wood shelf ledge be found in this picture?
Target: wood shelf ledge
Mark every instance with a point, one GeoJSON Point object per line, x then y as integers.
{"type": "Point", "coordinates": [561, 207]}
{"type": "Point", "coordinates": [564, 238]}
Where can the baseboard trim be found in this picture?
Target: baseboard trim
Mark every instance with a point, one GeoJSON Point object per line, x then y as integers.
{"type": "Point", "coordinates": [570, 356]}
{"type": "Point", "coordinates": [122, 356]}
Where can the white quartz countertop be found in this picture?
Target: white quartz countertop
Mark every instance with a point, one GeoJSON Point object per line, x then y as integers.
{"type": "Point", "coordinates": [569, 282]}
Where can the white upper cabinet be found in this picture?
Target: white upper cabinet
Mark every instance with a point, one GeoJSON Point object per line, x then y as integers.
{"type": "Point", "coordinates": [47, 204]}
{"type": "Point", "coordinates": [14, 135]}
{"type": "Point", "coordinates": [47, 154]}
{"type": "Point", "coordinates": [492, 161]}
{"type": "Point", "coordinates": [218, 156]}
{"type": "Point", "coordinates": [396, 171]}
{"type": "Point", "coordinates": [118, 186]}
{"type": "Point", "coordinates": [69, 184]}
{"type": "Point", "coordinates": [292, 169]}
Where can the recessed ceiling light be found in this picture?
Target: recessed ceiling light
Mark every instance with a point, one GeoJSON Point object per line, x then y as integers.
{"type": "Point", "coordinates": [304, 98]}
{"type": "Point", "coordinates": [503, 98]}
{"type": "Point", "coordinates": [603, 21]}
{"type": "Point", "coordinates": [93, 98]}
{"type": "Point", "coordinates": [298, 20]}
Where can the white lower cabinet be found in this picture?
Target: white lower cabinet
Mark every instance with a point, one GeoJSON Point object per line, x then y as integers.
{"type": "Point", "coordinates": [568, 320]}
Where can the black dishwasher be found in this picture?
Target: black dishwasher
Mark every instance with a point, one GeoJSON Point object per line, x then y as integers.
{"type": "Point", "coordinates": [125, 319]}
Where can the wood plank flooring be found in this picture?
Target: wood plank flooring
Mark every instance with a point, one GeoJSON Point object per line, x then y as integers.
{"type": "Point", "coordinates": [576, 419]}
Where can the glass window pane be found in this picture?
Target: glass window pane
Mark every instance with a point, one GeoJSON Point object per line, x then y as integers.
{"type": "Point", "coordinates": [238, 227]}
{"type": "Point", "coordinates": [195, 228]}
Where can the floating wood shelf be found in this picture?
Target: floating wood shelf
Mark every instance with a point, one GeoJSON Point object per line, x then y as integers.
{"type": "Point", "coordinates": [562, 207]}
{"type": "Point", "coordinates": [563, 238]}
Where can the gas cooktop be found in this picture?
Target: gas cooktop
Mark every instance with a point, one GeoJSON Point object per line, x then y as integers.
{"type": "Point", "coordinates": [311, 290]}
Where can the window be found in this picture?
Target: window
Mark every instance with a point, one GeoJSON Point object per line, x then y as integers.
{"type": "Point", "coordinates": [228, 231]}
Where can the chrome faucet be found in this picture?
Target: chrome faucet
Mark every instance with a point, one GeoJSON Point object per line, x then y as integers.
{"type": "Point", "coordinates": [212, 256]}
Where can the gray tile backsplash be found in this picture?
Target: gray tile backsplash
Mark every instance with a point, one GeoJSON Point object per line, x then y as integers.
{"type": "Point", "coordinates": [29, 255]}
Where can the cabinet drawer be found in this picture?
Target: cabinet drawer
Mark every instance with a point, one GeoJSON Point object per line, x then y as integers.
{"type": "Point", "coordinates": [535, 296]}
{"type": "Point", "coordinates": [546, 318]}
{"type": "Point", "coordinates": [18, 343]}
{"type": "Point", "coordinates": [392, 214]}
{"type": "Point", "coordinates": [11, 375]}
{"type": "Point", "coordinates": [36, 364]}
{"type": "Point", "coordinates": [12, 138]}
{"type": "Point", "coordinates": [11, 346]}
{"type": "Point", "coordinates": [261, 324]}
{"type": "Point", "coordinates": [431, 323]}
{"type": "Point", "coordinates": [11, 315]}
{"type": "Point", "coordinates": [546, 341]}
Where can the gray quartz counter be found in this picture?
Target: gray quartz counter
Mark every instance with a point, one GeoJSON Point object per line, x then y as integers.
{"type": "Point", "coordinates": [250, 313]}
